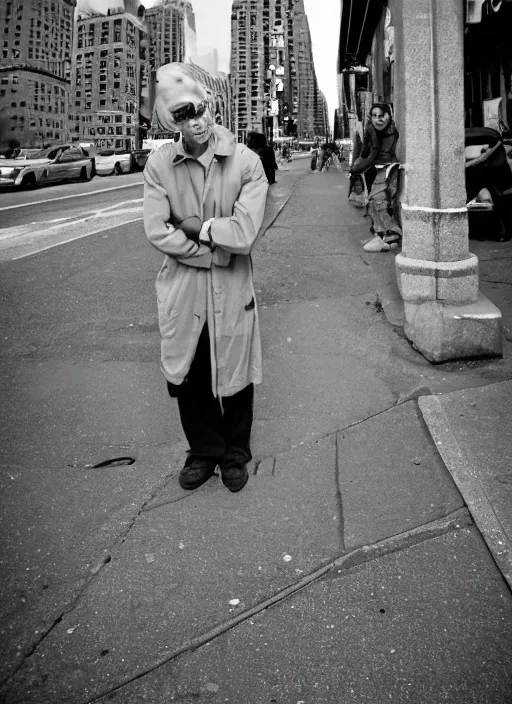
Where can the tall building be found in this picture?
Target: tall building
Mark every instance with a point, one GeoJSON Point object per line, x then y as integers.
{"type": "Point", "coordinates": [272, 69]}
{"type": "Point", "coordinates": [110, 75]}
{"type": "Point", "coordinates": [249, 54]}
{"type": "Point", "coordinates": [35, 70]}
{"type": "Point", "coordinates": [166, 26]}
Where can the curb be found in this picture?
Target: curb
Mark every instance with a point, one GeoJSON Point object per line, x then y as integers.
{"type": "Point", "coordinates": [465, 476]}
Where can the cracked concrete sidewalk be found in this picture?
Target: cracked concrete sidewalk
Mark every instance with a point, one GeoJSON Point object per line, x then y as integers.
{"type": "Point", "coordinates": [348, 569]}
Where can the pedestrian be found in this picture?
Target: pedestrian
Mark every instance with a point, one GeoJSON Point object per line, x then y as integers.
{"type": "Point", "coordinates": [378, 153]}
{"type": "Point", "coordinates": [258, 143]}
{"type": "Point", "coordinates": [324, 153]}
{"type": "Point", "coordinates": [204, 202]}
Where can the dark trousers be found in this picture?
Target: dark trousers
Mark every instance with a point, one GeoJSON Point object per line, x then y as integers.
{"type": "Point", "coordinates": [212, 430]}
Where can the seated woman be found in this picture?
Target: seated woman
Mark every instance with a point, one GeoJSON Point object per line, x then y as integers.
{"type": "Point", "coordinates": [377, 154]}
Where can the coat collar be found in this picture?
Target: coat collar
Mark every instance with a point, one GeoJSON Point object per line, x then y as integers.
{"type": "Point", "coordinates": [222, 141]}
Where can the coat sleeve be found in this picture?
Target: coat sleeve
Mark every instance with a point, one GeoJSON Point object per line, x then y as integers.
{"type": "Point", "coordinates": [160, 232]}
{"type": "Point", "coordinates": [237, 234]}
{"type": "Point", "coordinates": [368, 154]}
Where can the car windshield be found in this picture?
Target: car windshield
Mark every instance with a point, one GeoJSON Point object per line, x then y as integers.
{"type": "Point", "coordinates": [52, 152]}
{"type": "Point", "coordinates": [29, 154]}
{"type": "Point", "coordinates": [105, 152]}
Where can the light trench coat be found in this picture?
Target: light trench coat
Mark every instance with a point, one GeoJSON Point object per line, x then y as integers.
{"type": "Point", "coordinates": [195, 285]}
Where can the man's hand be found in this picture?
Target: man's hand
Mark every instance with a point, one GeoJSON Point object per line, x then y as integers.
{"type": "Point", "coordinates": [191, 227]}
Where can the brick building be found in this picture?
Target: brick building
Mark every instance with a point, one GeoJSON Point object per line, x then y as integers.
{"type": "Point", "coordinates": [273, 76]}
{"type": "Point", "coordinates": [110, 74]}
{"type": "Point", "coordinates": [35, 70]}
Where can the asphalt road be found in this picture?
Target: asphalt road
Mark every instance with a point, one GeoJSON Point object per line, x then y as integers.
{"type": "Point", "coordinates": [32, 221]}
{"type": "Point", "coordinates": [61, 200]}
{"type": "Point", "coordinates": [111, 572]}
{"type": "Point", "coordinates": [12, 201]}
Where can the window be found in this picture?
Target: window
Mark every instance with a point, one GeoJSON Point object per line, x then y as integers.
{"type": "Point", "coordinates": [71, 154]}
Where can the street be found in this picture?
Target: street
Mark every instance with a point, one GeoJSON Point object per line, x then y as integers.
{"type": "Point", "coordinates": [32, 221]}
{"type": "Point", "coordinates": [348, 570]}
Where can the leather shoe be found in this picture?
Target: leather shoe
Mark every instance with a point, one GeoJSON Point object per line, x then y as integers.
{"type": "Point", "coordinates": [197, 471]}
{"type": "Point", "coordinates": [235, 477]}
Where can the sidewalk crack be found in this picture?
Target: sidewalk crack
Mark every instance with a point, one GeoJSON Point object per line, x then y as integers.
{"type": "Point", "coordinates": [339, 496]}
{"type": "Point", "coordinates": [457, 520]}
{"type": "Point", "coordinates": [91, 576]}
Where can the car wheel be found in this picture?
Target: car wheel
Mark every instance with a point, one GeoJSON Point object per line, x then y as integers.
{"type": "Point", "coordinates": [29, 182]}
{"type": "Point", "coordinates": [117, 169]}
{"type": "Point", "coordinates": [84, 176]}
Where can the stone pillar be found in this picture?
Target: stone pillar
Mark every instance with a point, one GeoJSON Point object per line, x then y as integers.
{"type": "Point", "coordinates": [446, 315]}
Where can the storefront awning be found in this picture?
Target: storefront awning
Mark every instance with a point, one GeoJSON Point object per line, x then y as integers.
{"type": "Point", "coordinates": [359, 19]}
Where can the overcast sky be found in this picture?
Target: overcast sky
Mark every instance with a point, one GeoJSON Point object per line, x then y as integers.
{"type": "Point", "coordinates": [213, 20]}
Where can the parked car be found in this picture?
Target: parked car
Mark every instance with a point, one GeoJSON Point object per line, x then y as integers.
{"type": "Point", "coordinates": [59, 163]}
{"type": "Point", "coordinates": [110, 162]}
{"type": "Point", "coordinates": [139, 158]}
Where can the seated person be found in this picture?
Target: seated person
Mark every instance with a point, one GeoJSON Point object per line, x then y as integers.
{"type": "Point", "coordinates": [379, 145]}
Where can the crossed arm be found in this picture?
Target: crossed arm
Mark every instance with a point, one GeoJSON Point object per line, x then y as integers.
{"type": "Point", "coordinates": [235, 234]}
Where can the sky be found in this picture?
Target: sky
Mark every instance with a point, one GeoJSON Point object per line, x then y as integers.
{"type": "Point", "coordinates": [213, 22]}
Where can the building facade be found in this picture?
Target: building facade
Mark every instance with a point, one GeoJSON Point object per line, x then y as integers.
{"type": "Point", "coordinates": [110, 73]}
{"type": "Point", "coordinates": [166, 27]}
{"type": "Point", "coordinates": [35, 70]}
{"type": "Point", "coordinates": [274, 83]}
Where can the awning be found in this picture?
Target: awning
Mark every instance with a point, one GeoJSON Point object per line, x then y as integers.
{"type": "Point", "coordinates": [359, 20]}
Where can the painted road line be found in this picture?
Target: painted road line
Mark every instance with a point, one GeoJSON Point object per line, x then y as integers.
{"type": "Point", "coordinates": [76, 195]}
{"type": "Point", "coordinates": [72, 220]}
{"type": "Point", "coordinates": [35, 242]}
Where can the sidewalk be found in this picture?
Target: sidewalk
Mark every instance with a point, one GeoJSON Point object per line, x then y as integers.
{"type": "Point", "coordinates": [472, 427]}
{"type": "Point", "coordinates": [348, 570]}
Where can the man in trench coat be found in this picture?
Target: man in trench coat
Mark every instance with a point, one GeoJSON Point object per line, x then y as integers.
{"type": "Point", "coordinates": [204, 202]}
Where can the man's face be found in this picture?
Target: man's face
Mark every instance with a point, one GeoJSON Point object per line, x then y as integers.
{"type": "Point", "coordinates": [195, 122]}
{"type": "Point", "coordinates": [380, 119]}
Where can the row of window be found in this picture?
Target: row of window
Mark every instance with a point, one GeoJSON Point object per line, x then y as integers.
{"type": "Point", "coordinates": [93, 131]}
